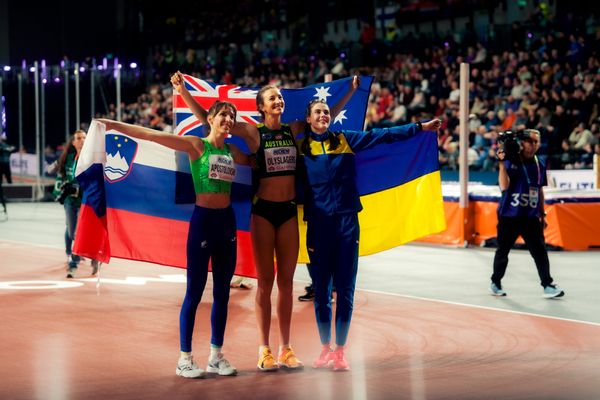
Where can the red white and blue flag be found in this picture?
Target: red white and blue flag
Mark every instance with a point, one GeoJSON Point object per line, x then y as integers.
{"type": "Point", "coordinates": [351, 117]}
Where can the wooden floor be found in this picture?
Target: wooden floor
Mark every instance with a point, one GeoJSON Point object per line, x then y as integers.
{"type": "Point", "coordinates": [121, 342]}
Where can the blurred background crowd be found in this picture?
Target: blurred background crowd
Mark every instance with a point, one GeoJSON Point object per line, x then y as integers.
{"type": "Point", "coordinates": [540, 71]}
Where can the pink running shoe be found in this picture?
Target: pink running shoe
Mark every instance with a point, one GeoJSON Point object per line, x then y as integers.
{"type": "Point", "coordinates": [325, 358]}
{"type": "Point", "coordinates": [339, 361]}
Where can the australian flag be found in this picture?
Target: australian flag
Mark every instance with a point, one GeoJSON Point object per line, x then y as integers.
{"type": "Point", "coordinates": [206, 93]}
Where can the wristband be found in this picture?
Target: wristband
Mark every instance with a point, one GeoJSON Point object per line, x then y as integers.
{"type": "Point", "coordinates": [419, 125]}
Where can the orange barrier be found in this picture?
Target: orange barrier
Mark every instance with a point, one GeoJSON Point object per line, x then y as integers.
{"type": "Point", "coordinates": [571, 225]}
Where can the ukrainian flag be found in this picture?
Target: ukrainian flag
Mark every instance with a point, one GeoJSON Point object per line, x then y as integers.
{"type": "Point", "coordinates": [401, 194]}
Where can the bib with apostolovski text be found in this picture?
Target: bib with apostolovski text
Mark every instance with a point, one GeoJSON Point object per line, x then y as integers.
{"type": "Point", "coordinates": [221, 167]}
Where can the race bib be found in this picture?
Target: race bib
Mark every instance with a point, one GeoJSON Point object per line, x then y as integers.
{"type": "Point", "coordinates": [534, 196]}
{"type": "Point", "coordinates": [280, 159]}
{"type": "Point", "coordinates": [221, 167]}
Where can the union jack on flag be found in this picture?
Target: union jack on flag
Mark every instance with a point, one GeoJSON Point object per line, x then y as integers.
{"type": "Point", "coordinates": [296, 100]}
{"type": "Point", "coordinates": [206, 93]}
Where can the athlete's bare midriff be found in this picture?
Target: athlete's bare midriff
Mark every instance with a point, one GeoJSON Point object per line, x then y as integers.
{"type": "Point", "coordinates": [277, 188]}
{"type": "Point", "coordinates": [213, 200]}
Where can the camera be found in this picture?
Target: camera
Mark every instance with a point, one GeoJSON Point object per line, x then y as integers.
{"type": "Point", "coordinates": [510, 142]}
{"type": "Point", "coordinates": [67, 189]}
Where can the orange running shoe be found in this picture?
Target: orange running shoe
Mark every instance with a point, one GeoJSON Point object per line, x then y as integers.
{"type": "Point", "coordinates": [325, 358]}
{"type": "Point", "coordinates": [266, 362]}
{"type": "Point", "coordinates": [287, 359]}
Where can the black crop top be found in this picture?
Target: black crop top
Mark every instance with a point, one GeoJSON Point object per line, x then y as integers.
{"type": "Point", "coordinates": [276, 155]}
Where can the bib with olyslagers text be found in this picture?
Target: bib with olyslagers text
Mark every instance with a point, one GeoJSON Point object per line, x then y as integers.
{"type": "Point", "coordinates": [277, 154]}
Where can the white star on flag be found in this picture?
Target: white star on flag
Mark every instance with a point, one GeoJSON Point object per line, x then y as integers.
{"type": "Point", "coordinates": [322, 93]}
{"type": "Point", "coordinates": [340, 117]}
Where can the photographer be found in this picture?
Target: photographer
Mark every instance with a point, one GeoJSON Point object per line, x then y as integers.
{"type": "Point", "coordinates": [522, 177]}
{"type": "Point", "coordinates": [67, 193]}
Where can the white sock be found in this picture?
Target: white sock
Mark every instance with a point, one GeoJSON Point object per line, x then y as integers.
{"type": "Point", "coordinates": [185, 355]}
{"type": "Point", "coordinates": [261, 348]}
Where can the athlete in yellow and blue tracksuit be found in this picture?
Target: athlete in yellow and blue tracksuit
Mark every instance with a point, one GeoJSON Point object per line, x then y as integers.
{"type": "Point", "coordinates": [327, 172]}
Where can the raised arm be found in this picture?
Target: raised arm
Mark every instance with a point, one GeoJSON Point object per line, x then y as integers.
{"type": "Point", "coordinates": [249, 133]}
{"type": "Point", "coordinates": [178, 83]}
{"type": "Point", "coordinates": [503, 179]}
{"type": "Point", "coordinates": [299, 126]}
{"type": "Point", "coordinates": [190, 144]}
{"type": "Point", "coordinates": [339, 106]}
{"type": "Point", "coordinates": [239, 157]}
{"type": "Point", "coordinates": [241, 129]}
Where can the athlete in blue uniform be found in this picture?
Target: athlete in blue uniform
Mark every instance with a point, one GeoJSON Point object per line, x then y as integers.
{"type": "Point", "coordinates": [327, 167]}
{"type": "Point", "coordinates": [521, 212]}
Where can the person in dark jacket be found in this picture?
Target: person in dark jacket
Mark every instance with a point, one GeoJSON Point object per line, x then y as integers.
{"type": "Point", "coordinates": [68, 194]}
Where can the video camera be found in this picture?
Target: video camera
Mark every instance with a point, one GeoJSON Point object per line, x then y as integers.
{"type": "Point", "coordinates": [510, 142]}
{"type": "Point", "coordinates": [67, 189]}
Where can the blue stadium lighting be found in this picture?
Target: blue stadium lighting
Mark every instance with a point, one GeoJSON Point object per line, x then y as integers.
{"type": "Point", "coordinates": [133, 65]}
{"type": "Point", "coordinates": [32, 69]}
{"type": "Point", "coordinates": [57, 80]}
{"type": "Point", "coordinates": [81, 69]}
{"type": "Point", "coordinates": [44, 81]}
{"type": "Point", "coordinates": [7, 68]}
{"type": "Point", "coordinates": [529, 35]}
{"type": "Point", "coordinates": [342, 55]}
{"type": "Point", "coordinates": [100, 67]}
{"type": "Point", "coordinates": [3, 116]}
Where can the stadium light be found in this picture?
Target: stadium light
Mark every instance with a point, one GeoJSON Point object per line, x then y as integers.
{"type": "Point", "coordinates": [57, 80]}
{"type": "Point", "coordinates": [32, 69]}
{"type": "Point", "coordinates": [7, 68]}
{"type": "Point", "coordinates": [133, 65]}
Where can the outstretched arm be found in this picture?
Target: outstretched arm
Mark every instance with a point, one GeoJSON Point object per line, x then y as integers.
{"type": "Point", "coordinates": [190, 144]}
{"type": "Point", "coordinates": [361, 140]}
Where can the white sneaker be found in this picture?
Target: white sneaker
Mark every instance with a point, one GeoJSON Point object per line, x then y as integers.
{"type": "Point", "coordinates": [187, 368]}
{"type": "Point", "coordinates": [220, 366]}
{"type": "Point", "coordinates": [497, 290]}
{"type": "Point", "coordinates": [552, 291]}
